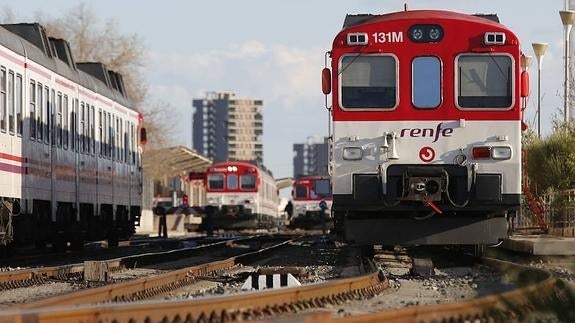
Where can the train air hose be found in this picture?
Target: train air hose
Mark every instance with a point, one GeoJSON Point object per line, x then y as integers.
{"type": "Point", "coordinates": [468, 192]}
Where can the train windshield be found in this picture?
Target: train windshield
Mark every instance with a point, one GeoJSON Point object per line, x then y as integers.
{"type": "Point", "coordinates": [368, 81]}
{"type": "Point", "coordinates": [232, 181]}
{"type": "Point", "coordinates": [248, 182]}
{"type": "Point", "coordinates": [484, 81]}
{"type": "Point", "coordinates": [426, 78]}
{"type": "Point", "coordinates": [216, 181]}
{"type": "Point", "coordinates": [300, 192]}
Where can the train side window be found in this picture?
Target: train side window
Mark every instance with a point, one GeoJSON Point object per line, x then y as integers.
{"type": "Point", "coordinates": [232, 181]}
{"type": "Point", "coordinates": [100, 133]}
{"type": "Point", "coordinates": [216, 181]}
{"type": "Point", "coordinates": [82, 127]}
{"type": "Point", "coordinates": [426, 80]}
{"type": "Point", "coordinates": [247, 182]}
{"type": "Point", "coordinates": [66, 123]}
{"type": "Point", "coordinates": [368, 82]}
{"type": "Point", "coordinates": [484, 81]}
{"type": "Point", "coordinates": [59, 128]}
{"type": "Point", "coordinates": [40, 113]}
{"type": "Point", "coordinates": [300, 191]}
{"type": "Point", "coordinates": [87, 133]}
{"type": "Point", "coordinates": [3, 99]}
{"type": "Point", "coordinates": [46, 116]}
{"type": "Point", "coordinates": [32, 109]}
{"type": "Point", "coordinates": [19, 102]}
{"type": "Point", "coordinates": [92, 130]}
{"type": "Point", "coordinates": [127, 142]}
{"type": "Point", "coordinates": [74, 128]}
{"type": "Point", "coordinates": [51, 110]}
{"type": "Point", "coordinates": [133, 143]}
{"type": "Point", "coordinates": [11, 101]}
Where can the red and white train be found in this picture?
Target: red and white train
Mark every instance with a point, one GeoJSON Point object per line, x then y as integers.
{"type": "Point", "coordinates": [426, 115]}
{"type": "Point", "coordinates": [243, 195]}
{"type": "Point", "coordinates": [307, 204]}
{"type": "Point", "coordinates": [70, 152]}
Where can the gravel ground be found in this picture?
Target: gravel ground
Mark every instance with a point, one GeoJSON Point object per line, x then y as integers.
{"type": "Point", "coordinates": [316, 259]}
{"type": "Point", "coordinates": [27, 294]}
{"type": "Point", "coordinates": [447, 285]}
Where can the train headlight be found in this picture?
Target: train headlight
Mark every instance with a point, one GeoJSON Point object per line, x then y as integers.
{"type": "Point", "coordinates": [416, 33]}
{"type": "Point", "coordinates": [434, 33]}
{"type": "Point", "coordinates": [352, 153]}
{"type": "Point", "coordinates": [501, 152]}
{"type": "Point", "coordinates": [425, 33]}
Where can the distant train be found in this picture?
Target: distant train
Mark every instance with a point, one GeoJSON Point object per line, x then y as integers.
{"type": "Point", "coordinates": [244, 196]}
{"type": "Point", "coordinates": [311, 210]}
{"type": "Point", "coordinates": [426, 142]}
{"type": "Point", "coordinates": [70, 145]}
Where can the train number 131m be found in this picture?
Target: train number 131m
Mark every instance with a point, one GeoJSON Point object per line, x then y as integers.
{"type": "Point", "coordinates": [388, 37]}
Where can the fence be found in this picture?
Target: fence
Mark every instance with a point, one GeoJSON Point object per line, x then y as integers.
{"type": "Point", "coordinates": [558, 212]}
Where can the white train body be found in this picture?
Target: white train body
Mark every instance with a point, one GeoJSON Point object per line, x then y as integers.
{"type": "Point", "coordinates": [70, 156]}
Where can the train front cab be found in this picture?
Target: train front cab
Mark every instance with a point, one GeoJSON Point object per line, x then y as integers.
{"type": "Point", "coordinates": [428, 152]}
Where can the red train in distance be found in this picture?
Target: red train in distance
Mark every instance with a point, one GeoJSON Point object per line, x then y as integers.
{"type": "Point", "coordinates": [244, 195]}
{"type": "Point", "coordinates": [426, 115]}
{"type": "Point", "coordinates": [311, 210]}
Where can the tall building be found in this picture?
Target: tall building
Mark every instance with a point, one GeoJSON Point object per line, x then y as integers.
{"type": "Point", "coordinates": [228, 128]}
{"type": "Point", "coordinates": [311, 157]}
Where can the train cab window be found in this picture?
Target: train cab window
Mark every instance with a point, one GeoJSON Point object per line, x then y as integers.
{"type": "Point", "coordinates": [368, 82]}
{"type": "Point", "coordinates": [232, 181]}
{"type": "Point", "coordinates": [300, 192]}
{"type": "Point", "coordinates": [426, 79]}
{"type": "Point", "coordinates": [484, 81]}
{"type": "Point", "coordinates": [216, 181]}
{"type": "Point", "coordinates": [248, 182]}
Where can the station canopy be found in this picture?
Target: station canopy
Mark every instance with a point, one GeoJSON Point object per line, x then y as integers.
{"type": "Point", "coordinates": [284, 182]}
{"type": "Point", "coordinates": [174, 161]}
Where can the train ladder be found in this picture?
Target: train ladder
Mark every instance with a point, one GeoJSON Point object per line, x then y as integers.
{"type": "Point", "coordinates": [533, 202]}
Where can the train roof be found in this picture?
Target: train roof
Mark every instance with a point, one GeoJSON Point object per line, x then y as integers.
{"type": "Point", "coordinates": [355, 20]}
{"type": "Point", "coordinates": [30, 40]}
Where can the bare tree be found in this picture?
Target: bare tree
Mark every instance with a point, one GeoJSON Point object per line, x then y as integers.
{"type": "Point", "coordinates": [94, 41]}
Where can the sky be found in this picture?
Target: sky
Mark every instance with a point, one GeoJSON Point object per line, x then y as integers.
{"type": "Point", "coordinates": [273, 50]}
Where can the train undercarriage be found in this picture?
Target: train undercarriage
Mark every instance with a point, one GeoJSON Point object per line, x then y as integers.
{"type": "Point", "coordinates": [39, 229]}
{"type": "Point", "coordinates": [429, 205]}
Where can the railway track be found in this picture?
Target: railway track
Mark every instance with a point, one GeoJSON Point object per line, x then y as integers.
{"type": "Point", "coordinates": [536, 291]}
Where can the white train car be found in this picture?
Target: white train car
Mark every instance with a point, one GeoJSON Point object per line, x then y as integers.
{"type": "Point", "coordinates": [70, 146]}
{"type": "Point", "coordinates": [426, 114]}
{"type": "Point", "coordinates": [243, 195]}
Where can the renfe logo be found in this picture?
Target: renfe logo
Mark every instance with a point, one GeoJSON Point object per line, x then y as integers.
{"type": "Point", "coordinates": [427, 132]}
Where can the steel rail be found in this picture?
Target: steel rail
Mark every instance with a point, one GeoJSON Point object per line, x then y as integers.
{"type": "Point", "coordinates": [141, 288]}
{"type": "Point", "coordinates": [538, 290]}
{"type": "Point", "coordinates": [240, 306]}
{"type": "Point", "coordinates": [35, 276]}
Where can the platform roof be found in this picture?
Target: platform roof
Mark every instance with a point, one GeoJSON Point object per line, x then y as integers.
{"type": "Point", "coordinates": [284, 182]}
{"type": "Point", "coordinates": [174, 161]}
